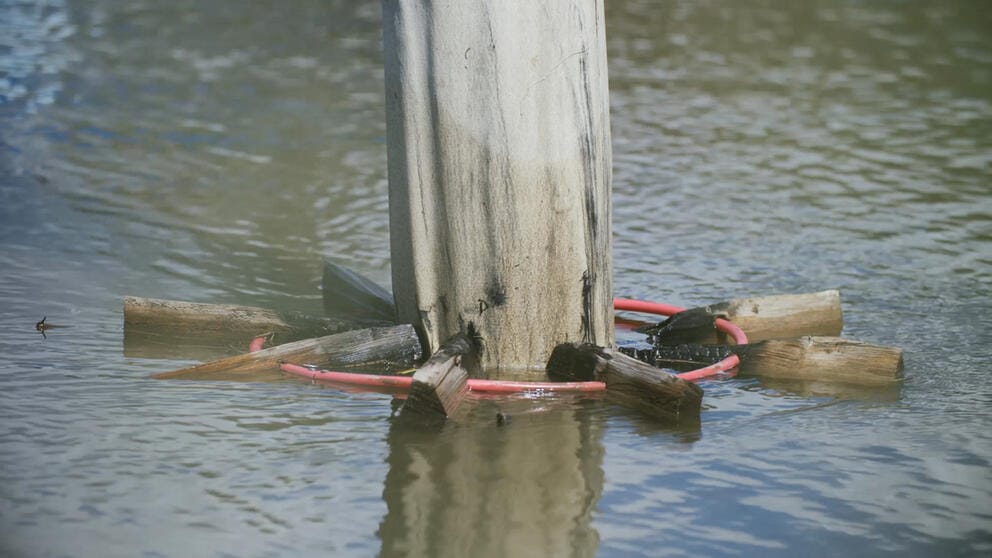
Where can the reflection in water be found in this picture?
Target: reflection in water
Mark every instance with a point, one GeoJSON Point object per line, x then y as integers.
{"type": "Point", "coordinates": [525, 488]}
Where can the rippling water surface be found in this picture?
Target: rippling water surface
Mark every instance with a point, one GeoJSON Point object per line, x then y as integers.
{"type": "Point", "coordinates": [216, 151]}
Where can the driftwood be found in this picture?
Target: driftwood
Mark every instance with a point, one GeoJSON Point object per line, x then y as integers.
{"type": "Point", "coordinates": [157, 328]}
{"type": "Point", "coordinates": [824, 359]}
{"type": "Point", "coordinates": [629, 382]}
{"type": "Point", "coordinates": [440, 383]}
{"type": "Point", "coordinates": [397, 345]}
{"type": "Point", "coordinates": [763, 317]}
{"type": "Point", "coordinates": [205, 319]}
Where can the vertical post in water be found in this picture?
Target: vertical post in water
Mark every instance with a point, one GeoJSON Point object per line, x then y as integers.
{"type": "Point", "coordinates": [499, 173]}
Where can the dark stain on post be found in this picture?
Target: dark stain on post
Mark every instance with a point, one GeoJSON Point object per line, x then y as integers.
{"type": "Point", "coordinates": [586, 307]}
{"type": "Point", "coordinates": [475, 355]}
{"type": "Point", "coordinates": [496, 292]}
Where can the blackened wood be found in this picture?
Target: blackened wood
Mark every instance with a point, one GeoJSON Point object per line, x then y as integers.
{"type": "Point", "coordinates": [763, 317]}
{"type": "Point", "coordinates": [629, 382]}
{"type": "Point", "coordinates": [676, 356]}
{"type": "Point", "coordinates": [440, 383]}
{"type": "Point", "coordinates": [365, 347]}
{"type": "Point", "coordinates": [826, 359]}
{"type": "Point", "coordinates": [347, 294]}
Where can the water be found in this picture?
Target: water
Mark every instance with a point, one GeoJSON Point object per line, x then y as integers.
{"type": "Point", "coordinates": [214, 152]}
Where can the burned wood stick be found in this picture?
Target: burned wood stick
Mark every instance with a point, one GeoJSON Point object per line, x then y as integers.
{"type": "Point", "coordinates": [629, 382]}
{"type": "Point", "coordinates": [679, 356]}
{"type": "Point", "coordinates": [440, 383]}
{"type": "Point", "coordinates": [829, 359]}
{"type": "Point", "coordinates": [398, 345]}
{"type": "Point", "coordinates": [765, 317]}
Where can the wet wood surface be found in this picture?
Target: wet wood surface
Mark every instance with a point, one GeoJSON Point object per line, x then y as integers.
{"type": "Point", "coordinates": [440, 384]}
{"type": "Point", "coordinates": [762, 317]}
{"type": "Point", "coordinates": [180, 330]}
{"type": "Point", "coordinates": [629, 382]}
{"type": "Point", "coordinates": [826, 359]}
{"type": "Point", "coordinates": [499, 155]}
{"type": "Point", "coordinates": [365, 347]}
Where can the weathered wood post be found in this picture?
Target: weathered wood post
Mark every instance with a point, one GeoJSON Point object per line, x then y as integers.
{"type": "Point", "coordinates": [499, 173]}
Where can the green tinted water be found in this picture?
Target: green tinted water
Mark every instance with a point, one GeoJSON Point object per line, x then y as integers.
{"type": "Point", "coordinates": [216, 151]}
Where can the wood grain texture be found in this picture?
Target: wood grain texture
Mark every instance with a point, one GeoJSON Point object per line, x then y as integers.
{"type": "Point", "coordinates": [440, 383]}
{"type": "Point", "coordinates": [629, 382]}
{"type": "Point", "coordinates": [158, 314]}
{"type": "Point", "coordinates": [499, 173]}
{"type": "Point", "coordinates": [351, 348]}
{"type": "Point", "coordinates": [155, 315]}
{"type": "Point", "coordinates": [790, 315]}
{"type": "Point", "coordinates": [826, 359]}
{"type": "Point", "coordinates": [762, 317]}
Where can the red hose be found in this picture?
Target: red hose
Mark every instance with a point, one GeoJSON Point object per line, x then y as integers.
{"type": "Point", "coordinates": [667, 310]}
{"type": "Point", "coordinates": [374, 380]}
{"type": "Point", "coordinates": [257, 343]}
{"type": "Point", "coordinates": [404, 382]}
{"type": "Point", "coordinates": [724, 365]}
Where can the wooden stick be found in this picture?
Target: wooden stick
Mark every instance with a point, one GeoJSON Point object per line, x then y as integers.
{"type": "Point", "coordinates": [629, 382]}
{"type": "Point", "coordinates": [395, 344]}
{"type": "Point", "coordinates": [766, 317]}
{"type": "Point", "coordinates": [791, 315]}
{"type": "Point", "coordinates": [189, 317]}
{"type": "Point", "coordinates": [441, 383]}
{"type": "Point", "coordinates": [157, 328]}
{"type": "Point", "coordinates": [824, 359]}
{"type": "Point", "coordinates": [174, 314]}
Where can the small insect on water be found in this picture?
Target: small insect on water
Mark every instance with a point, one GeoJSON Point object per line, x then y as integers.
{"type": "Point", "coordinates": [43, 327]}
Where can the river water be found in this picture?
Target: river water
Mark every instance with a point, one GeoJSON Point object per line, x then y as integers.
{"type": "Point", "coordinates": [216, 151]}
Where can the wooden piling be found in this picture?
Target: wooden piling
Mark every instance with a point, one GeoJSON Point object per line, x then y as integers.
{"type": "Point", "coordinates": [498, 143]}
